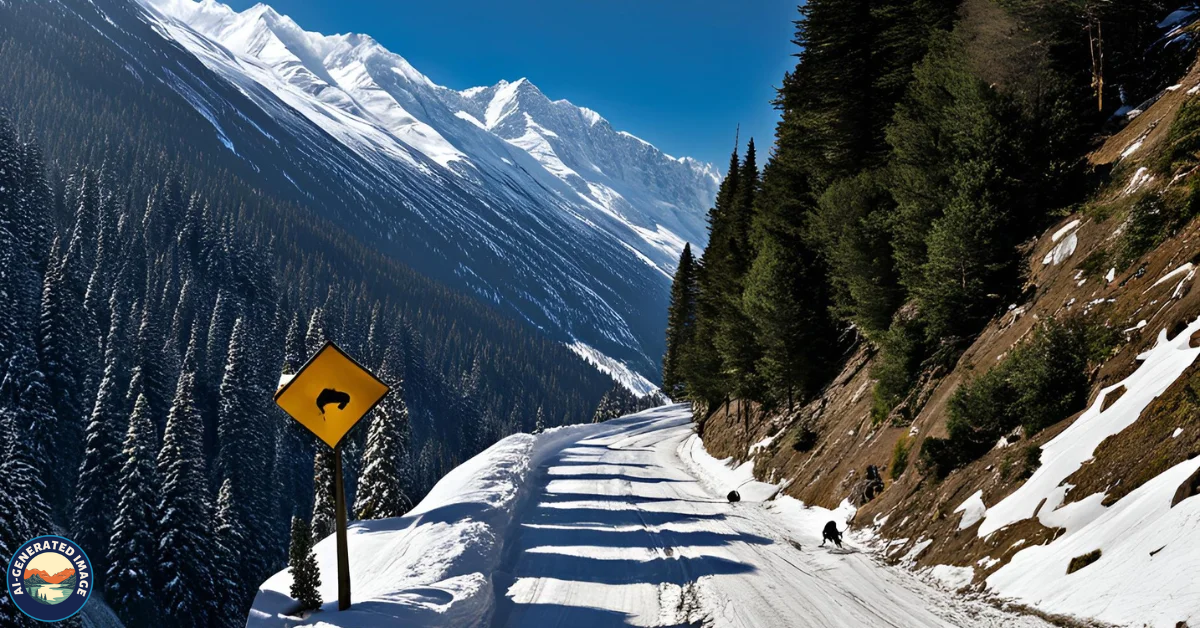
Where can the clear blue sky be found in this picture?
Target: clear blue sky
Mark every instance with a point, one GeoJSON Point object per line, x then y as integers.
{"type": "Point", "coordinates": [681, 74]}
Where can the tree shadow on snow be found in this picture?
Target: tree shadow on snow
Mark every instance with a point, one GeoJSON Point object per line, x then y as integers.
{"type": "Point", "coordinates": [600, 477]}
{"type": "Point", "coordinates": [606, 517]}
{"type": "Point", "coordinates": [543, 537]}
{"type": "Point", "coordinates": [630, 499]}
{"type": "Point", "coordinates": [678, 570]}
{"type": "Point", "coordinates": [563, 616]}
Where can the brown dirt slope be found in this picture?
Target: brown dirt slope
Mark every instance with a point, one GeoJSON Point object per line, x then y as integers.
{"type": "Point", "coordinates": [825, 447]}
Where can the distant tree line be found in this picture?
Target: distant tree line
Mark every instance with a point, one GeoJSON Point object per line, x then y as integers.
{"type": "Point", "coordinates": [920, 144]}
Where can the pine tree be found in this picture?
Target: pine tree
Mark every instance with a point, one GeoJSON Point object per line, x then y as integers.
{"type": "Point", "coordinates": [316, 335]}
{"type": "Point", "coordinates": [953, 151]}
{"type": "Point", "coordinates": [681, 324]}
{"type": "Point", "coordinates": [228, 605]}
{"type": "Point", "coordinates": [705, 374]}
{"type": "Point", "coordinates": [131, 572]}
{"type": "Point", "coordinates": [243, 459]}
{"type": "Point", "coordinates": [96, 495]}
{"type": "Point", "coordinates": [386, 480]}
{"type": "Point", "coordinates": [185, 549]}
{"type": "Point", "coordinates": [324, 508]}
{"type": "Point", "coordinates": [151, 373]}
{"type": "Point", "coordinates": [30, 421]}
{"type": "Point", "coordinates": [786, 290]}
{"type": "Point", "coordinates": [62, 354]}
{"type": "Point", "coordinates": [539, 422]}
{"type": "Point", "coordinates": [306, 576]}
{"type": "Point", "coordinates": [736, 338]}
{"type": "Point", "coordinates": [851, 225]}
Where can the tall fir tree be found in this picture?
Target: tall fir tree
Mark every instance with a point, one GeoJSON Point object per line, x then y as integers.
{"type": "Point", "coordinates": [243, 460]}
{"type": "Point", "coordinates": [306, 576]}
{"type": "Point", "coordinates": [185, 550]}
{"type": "Point", "coordinates": [323, 498]}
{"type": "Point", "coordinates": [96, 494]}
{"type": "Point", "coordinates": [132, 552]}
{"type": "Point", "coordinates": [25, 409]}
{"type": "Point", "coordinates": [61, 350]}
{"type": "Point", "coordinates": [386, 480]}
{"type": "Point", "coordinates": [228, 605]}
{"type": "Point", "coordinates": [681, 324]}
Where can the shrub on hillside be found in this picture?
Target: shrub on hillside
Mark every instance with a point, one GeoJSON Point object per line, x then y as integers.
{"type": "Point", "coordinates": [1156, 217]}
{"type": "Point", "coordinates": [899, 457]}
{"type": "Point", "coordinates": [1183, 138]}
{"type": "Point", "coordinates": [901, 350]}
{"type": "Point", "coordinates": [1079, 562]}
{"type": "Point", "coordinates": [1039, 384]}
{"type": "Point", "coordinates": [805, 439]}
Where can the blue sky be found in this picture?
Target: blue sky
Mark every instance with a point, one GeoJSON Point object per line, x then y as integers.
{"type": "Point", "coordinates": [681, 74]}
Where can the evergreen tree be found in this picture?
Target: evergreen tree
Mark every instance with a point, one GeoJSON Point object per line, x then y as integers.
{"type": "Point", "coordinates": [185, 549]}
{"type": "Point", "coordinates": [96, 494]}
{"type": "Point", "coordinates": [852, 227]}
{"type": "Point", "coordinates": [30, 423]}
{"type": "Point", "coordinates": [736, 338]}
{"type": "Point", "coordinates": [132, 568]}
{"type": "Point", "coordinates": [953, 141]}
{"type": "Point", "coordinates": [316, 336]}
{"type": "Point", "coordinates": [306, 576]}
{"type": "Point", "coordinates": [228, 605]}
{"type": "Point", "coordinates": [386, 480]}
{"type": "Point", "coordinates": [151, 372]}
{"type": "Point", "coordinates": [681, 324]}
{"type": "Point", "coordinates": [242, 459]}
{"type": "Point", "coordinates": [61, 349]}
{"type": "Point", "coordinates": [324, 508]}
{"type": "Point", "coordinates": [539, 422]}
{"type": "Point", "coordinates": [705, 378]}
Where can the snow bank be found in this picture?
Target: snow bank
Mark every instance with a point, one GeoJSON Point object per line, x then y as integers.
{"type": "Point", "coordinates": [720, 477]}
{"type": "Point", "coordinates": [1062, 250]}
{"type": "Point", "coordinates": [1145, 575]}
{"type": "Point", "coordinates": [1065, 453]}
{"type": "Point", "coordinates": [972, 510]}
{"type": "Point", "coordinates": [433, 566]}
{"type": "Point", "coordinates": [953, 578]}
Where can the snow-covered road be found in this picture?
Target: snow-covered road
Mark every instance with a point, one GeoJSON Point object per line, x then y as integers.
{"type": "Point", "coordinates": [628, 526]}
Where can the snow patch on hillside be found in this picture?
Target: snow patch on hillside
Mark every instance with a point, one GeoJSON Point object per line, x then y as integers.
{"type": "Point", "coordinates": [972, 510]}
{"type": "Point", "coordinates": [622, 374]}
{"type": "Point", "coordinates": [1142, 539]}
{"type": "Point", "coordinates": [1065, 453]}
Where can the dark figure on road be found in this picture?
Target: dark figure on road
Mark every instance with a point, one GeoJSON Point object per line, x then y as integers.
{"type": "Point", "coordinates": [831, 534]}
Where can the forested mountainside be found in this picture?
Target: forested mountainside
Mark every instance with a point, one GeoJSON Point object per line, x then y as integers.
{"type": "Point", "coordinates": [147, 326]}
{"type": "Point", "coordinates": [156, 290]}
{"type": "Point", "coordinates": [492, 191]}
{"type": "Point", "coordinates": [968, 264]}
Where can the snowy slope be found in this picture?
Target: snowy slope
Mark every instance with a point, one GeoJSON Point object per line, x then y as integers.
{"type": "Point", "coordinates": [1141, 536]}
{"type": "Point", "coordinates": [536, 205]}
{"type": "Point", "coordinates": [615, 524]}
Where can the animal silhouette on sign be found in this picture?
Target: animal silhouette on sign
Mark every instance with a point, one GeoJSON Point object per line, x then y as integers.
{"type": "Point", "coordinates": [330, 395]}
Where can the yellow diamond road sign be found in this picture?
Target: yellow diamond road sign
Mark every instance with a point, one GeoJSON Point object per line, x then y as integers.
{"type": "Point", "coordinates": [330, 394]}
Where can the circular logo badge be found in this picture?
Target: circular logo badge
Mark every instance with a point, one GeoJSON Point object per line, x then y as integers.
{"type": "Point", "coordinates": [49, 578]}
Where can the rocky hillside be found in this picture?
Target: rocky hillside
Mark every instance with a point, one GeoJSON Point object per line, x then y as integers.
{"type": "Point", "coordinates": [1089, 517]}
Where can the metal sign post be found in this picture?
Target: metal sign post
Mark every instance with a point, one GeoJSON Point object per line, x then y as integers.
{"type": "Point", "coordinates": [329, 395]}
{"type": "Point", "coordinates": [339, 499]}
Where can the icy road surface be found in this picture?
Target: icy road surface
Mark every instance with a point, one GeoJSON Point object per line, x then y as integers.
{"type": "Point", "coordinates": [631, 527]}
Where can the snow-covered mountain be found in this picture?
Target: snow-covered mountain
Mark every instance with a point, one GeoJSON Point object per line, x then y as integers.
{"type": "Point", "coordinates": [536, 205]}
